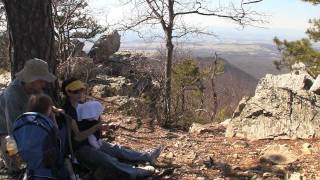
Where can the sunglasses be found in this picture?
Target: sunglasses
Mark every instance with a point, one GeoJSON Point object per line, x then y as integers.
{"type": "Point", "coordinates": [76, 91]}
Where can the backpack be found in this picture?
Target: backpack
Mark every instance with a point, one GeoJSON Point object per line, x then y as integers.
{"type": "Point", "coordinates": [39, 145]}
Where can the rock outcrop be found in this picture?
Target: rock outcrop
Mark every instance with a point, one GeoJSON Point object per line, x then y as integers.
{"type": "Point", "coordinates": [283, 107]}
{"type": "Point", "coordinates": [105, 47]}
{"type": "Point", "coordinates": [107, 86]}
{"type": "Point", "coordinates": [78, 67]}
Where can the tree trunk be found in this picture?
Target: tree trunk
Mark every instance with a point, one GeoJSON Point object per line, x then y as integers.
{"type": "Point", "coordinates": [214, 93]}
{"type": "Point", "coordinates": [167, 86]}
{"type": "Point", "coordinates": [168, 65]}
{"type": "Point", "coordinates": [31, 32]}
{"type": "Point", "coordinates": [183, 99]}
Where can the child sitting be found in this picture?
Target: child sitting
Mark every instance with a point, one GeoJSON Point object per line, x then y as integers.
{"type": "Point", "coordinates": [89, 115]}
{"type": "Point", "coordinates": [38, 139]}
{"type": "Point", "coordinates": [43, 104]}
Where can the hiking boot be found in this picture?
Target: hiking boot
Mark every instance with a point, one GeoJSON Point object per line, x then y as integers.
{"type": "Point", "coordinates": [145, 171]}
{"type": "Point", "coordinates": [154, 154]}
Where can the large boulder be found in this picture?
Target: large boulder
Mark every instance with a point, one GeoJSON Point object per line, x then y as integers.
{"type": "Point", "coordinates": [77, 48]}
{"type": "Point", "coordinates": [282, 107]}
{"type": "Point", "coordinates": [105, 47]}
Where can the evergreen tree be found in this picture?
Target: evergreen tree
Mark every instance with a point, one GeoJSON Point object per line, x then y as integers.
{"type": "Point", "coordinates": [302, 50]}
{"type": "Point", "coordinates": [72, 21]}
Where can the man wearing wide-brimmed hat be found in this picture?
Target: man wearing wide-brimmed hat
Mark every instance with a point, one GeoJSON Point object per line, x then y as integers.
{"type": "Point", "coordinates": [32, 79]}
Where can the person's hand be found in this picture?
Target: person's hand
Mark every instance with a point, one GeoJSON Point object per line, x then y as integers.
{"type": "Point", "coordinates": [57, 110]}
{"type": "Point", "coordinates": [98, 126]}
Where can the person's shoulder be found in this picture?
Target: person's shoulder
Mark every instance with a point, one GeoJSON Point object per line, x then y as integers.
{"type": "Point", "coordinates": [13, 88]}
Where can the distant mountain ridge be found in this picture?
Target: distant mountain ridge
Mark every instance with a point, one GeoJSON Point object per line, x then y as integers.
{"type": "Point", "coordinates": [255, 59]}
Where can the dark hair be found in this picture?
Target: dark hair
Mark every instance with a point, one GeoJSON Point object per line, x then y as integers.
{"type": "Point", "coordinates": [65, 83]}
{"type": "Point", "coordinates": [39, 103]}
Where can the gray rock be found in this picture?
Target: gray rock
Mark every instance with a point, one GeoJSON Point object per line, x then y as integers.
{"type": "Point", "coordinates": [299, 67]}
{"type": "Point", "coordinates": [296, 176]}
{"type": "Point", "coordinates": [77, 48]}
{"type": "Point", "coordinates": [316, 86]}
{"type": "Point", "coordinates": [111, 86]}
{"type": "Point", "coordinates": [240, 144]}
{"type": "Point", "coordinates": [211, 128]}
{"type": "Point", "coordinates": [240, 107]}
{"type": "Point", "coordinates": [278, 154]}
{"type": "Point", "coordinates": [105, 47]}
{"type": "Point", "coordinates": [196, 128]}
{"type": "Point", "coordinates": [225, 123]}
{"type": "Point", "coordinates": [306, 148]}
{"type": "Point", "coordinates": [282, 107]}
{"type": "Point", "coordinates": [99, 91]}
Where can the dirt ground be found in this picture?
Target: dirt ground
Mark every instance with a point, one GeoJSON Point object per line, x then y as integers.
{"type": "Point", "coordinates": [212, 156]}
{"type": "Point", "coordinates": [209, 155]}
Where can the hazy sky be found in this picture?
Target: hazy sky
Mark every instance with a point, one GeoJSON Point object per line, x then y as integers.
{"type": "Point", "coordinates": [287, 19]}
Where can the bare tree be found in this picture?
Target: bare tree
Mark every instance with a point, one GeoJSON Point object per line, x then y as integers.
{"type": "Point", "coordinates": [72, 20]}
{"type": "Point", "coordinates": [169, 14]}
{"type": "Point", "coordinates": [214, 70]}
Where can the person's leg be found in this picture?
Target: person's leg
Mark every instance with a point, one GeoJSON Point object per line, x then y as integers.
{"type": "Point", "coordinates": [95, 159]}
{"type": "Point", "coordinates": [122, 153]}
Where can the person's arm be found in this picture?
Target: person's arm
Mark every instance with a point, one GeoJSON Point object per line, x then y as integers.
{"type": "Point", "coordinates": [13, 109]}
{"type": "Point", "coordinates": [93, 141]}
{"type": "Point", "coordinates": [82, 135]}
{"type": "Point", "coordinates": [79, 135]}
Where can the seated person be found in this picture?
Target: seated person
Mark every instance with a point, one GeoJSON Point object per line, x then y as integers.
{"type": "Point", "coordinates": [107, 155]}
{"type": "Point", "coordinates": [39, 141]}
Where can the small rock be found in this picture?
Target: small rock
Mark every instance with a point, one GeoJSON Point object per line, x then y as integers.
{"type": "Point", "coordinates": [225, 123]}
{"type": "Point", "coordinates": [240, 144]}
{"type": "Point", "coordinates": [296, 176]}
{"type": "Point", "coordinates": [218, 178]}
{"type": "Point", "coordinates": [200, 178]}
{"type": "Point", "coordinates": [196, 128]}
{"type": "Point", "coordinates": [267, 174]}
{"type": "Point", "coordinates": [278, 154]}
{"type": "Point", "coordinates": [282, 138]}
{"type": "Point", "coordinates": [203, 167]}
{"type": "Point", "coordinates": [306, 148]}
{"type": "Point", "coordinates": [236, 156]}
{"type": "Point", "coordinates": [176, 144]}
{"type": "Point", "coordinates": [257, 177]}
{"type": "Point", "coordinates": [170, 155]}
{"type": "Point", "coordinates": [252, 153]}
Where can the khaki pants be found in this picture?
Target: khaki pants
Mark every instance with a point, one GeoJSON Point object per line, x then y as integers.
{"type": "Point", "coordinates": [10, 162]}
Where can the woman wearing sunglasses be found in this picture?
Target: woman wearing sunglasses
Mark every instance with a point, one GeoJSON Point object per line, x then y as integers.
{"type": "Point", "coordinates": [108, 155]}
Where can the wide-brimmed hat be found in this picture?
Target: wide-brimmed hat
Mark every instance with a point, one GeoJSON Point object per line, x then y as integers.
{"type": "Point", "coordinates": [35, 69]}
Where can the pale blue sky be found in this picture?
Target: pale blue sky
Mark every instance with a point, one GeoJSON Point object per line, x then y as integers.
{"type": "Point", "coordinates": [287, 19]}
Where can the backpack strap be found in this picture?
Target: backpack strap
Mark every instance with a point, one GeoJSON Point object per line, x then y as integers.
{"type": "Point", "coordinates": [33, 121]}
